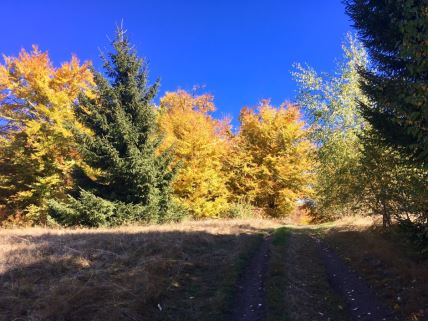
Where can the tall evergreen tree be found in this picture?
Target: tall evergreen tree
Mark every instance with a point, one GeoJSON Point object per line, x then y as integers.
{"type": "Point", "coordinates": [126, 178]}
{"type": "Point", "coordinates": [395, 34]}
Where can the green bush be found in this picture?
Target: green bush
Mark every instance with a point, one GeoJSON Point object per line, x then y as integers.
{"type": "Point", "coordinates": [417, 234]}
{"type": "Point", "coordinates": [88, 210]}
{"type": "Point", "coordinates": [239, 210]}
{"type": "Point", "coordinates": [92, 211]}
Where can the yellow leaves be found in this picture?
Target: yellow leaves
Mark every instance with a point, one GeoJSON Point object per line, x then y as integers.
{"type": "Point", "coordinates": [199, 147]}
{"type": "Point", "coordinates": [267, 163]}
{"type": "Point", "coordinates": [36, 102]}
{"type": "Point", "coordinates": [72, 77]}
{"type": "Point", "coordinates": [272, 158]}
{"type": "Point", "coordinates": [183, 101]}
{"type": "Point", "coordinates": [35, 87]}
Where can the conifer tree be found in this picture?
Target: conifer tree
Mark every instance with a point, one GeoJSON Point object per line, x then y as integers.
{"type": "Point", "coordinates": [395, 34]}
{"type": "Point", "coordinates": [128, 178]}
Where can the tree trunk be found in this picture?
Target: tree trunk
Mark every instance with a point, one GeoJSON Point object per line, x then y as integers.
{"type": "Point", "coordinates": [386, 217]}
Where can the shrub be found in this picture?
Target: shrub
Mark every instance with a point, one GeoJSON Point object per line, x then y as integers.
{"type": "Point", "coordinates": [239, 210]}
{"type": "Point", "coordinates": [90, 210]}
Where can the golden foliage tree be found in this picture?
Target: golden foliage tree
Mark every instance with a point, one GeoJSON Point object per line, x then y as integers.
{"type": "Point", "coordinates": [271, 159]}
{"type": "Point", "coordinates": [37, 151]}
{"type": "Point", "coordinates": [200, 145]}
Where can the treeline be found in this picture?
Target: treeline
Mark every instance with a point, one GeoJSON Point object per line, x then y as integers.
{"type": "Point", "coordinates": [81, 147]}
{"type": "Point", "coordinates": [369, 119]}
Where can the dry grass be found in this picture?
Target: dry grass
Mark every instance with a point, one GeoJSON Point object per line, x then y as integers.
{"type": "Point", "coordinates": [172, 272]}
{"type": "Point", "coordinates": [386, 262]}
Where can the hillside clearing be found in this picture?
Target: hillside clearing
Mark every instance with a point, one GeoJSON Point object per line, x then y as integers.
{"type": "Point", "coordinates": [211, 270]}
{"type": "Point", "coordinates": [184, 271]}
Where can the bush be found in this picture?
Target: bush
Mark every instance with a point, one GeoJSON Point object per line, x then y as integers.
{"type": "Point", "coordinates": [417, 234]}
{"type": "Point", "coordinates": [92, 211]}
{"type": "Point", "coordinates": [239, 210]}
{"type": "Point", "coordinates": [89, 210]}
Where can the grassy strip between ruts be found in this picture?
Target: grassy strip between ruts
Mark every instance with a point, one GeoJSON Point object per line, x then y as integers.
{"type": "Point", "coordinates": [276, 278]}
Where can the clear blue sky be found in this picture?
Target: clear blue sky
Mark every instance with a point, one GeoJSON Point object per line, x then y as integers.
{"type": "Point", "coordinates": [242, 51]}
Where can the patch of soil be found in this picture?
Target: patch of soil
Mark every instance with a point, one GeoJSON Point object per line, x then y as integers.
{"type": "Point", "coordinates": [361, 301]}
{"type": "Point", "coordinates": [250, 298]}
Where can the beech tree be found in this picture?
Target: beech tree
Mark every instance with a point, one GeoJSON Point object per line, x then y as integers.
{"type": "Point", "coordinates": [331, 106]}
{"type": "Point", "coordinates": [37, 149]}
{"type": "Point", "coordinates": [271, 160]}
{"type": "Point", "coordinates": [200, 144]}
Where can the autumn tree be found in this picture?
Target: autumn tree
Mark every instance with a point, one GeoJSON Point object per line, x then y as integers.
{"type": "Point", "coordinates": [358, 170]}
{"type": "Point", "coordinates": [200, 145]}
{"type": "Point", "coordinates": [331, 106]}
{"type": "Point", "coordinates": [37, 150]}
{"type": "Point", "coordinates": [271, 159]}
{"type": "Point", "coordinates": [129, 180]}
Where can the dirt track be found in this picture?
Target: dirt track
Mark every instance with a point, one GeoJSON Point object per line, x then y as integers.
{"type": "Point", "coordinates": [320, 286]}
{"type": "Point", "coordinates": [250, 302]}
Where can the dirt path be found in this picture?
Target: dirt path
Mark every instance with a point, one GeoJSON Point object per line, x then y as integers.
{"type": "Point", "coordinates": [320, 286]}
{"type": "Point", "coordinates": [309, 296]}
{"type": "Point", "coordinates": [250, 304]}
{"type": "Point", "coordinates": [361, 300]}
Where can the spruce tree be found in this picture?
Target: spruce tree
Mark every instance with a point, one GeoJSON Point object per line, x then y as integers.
{"type": "Point", "coordinates": [395, 34]}
{"type": "Point", "coordinates": [128, 179]}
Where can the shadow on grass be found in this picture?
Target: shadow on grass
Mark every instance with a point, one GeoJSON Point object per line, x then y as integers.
{"type": "Point", "coordinates": [388, 264]}
{"type": "Point", "coordinates": [122, 275]}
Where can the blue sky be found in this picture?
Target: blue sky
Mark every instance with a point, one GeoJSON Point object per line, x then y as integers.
{"type": "Point", "coordinates": [242, 51]}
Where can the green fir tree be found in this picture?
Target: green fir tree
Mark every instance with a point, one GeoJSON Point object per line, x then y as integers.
{"type": "Point", "coordinates": [395, 34]}
{"type": "Point", "coordinates": [128, 180]}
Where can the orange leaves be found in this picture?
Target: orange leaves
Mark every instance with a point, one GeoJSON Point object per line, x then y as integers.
{"type": "Point", "coordinates": [267, 163]}
{"type": "Point", "coordinates": [34, 89]}
{"type": "Point", "coordinates": [71, 77]}
{"type": "Point", "coordinates": [181, 100]}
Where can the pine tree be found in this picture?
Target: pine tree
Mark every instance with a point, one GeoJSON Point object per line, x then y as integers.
{"type": "Point", "coordinates": [126, 172]}
{"type": "Point", "coordinates": [395, 34]}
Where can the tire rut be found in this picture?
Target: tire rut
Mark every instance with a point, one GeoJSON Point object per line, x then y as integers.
{"type": "Point", "coordinates": [250, 299]}
{"type": "Point", "coordinates": [362, 302]}
{"type": "Point", "coordinates": [308, 296]}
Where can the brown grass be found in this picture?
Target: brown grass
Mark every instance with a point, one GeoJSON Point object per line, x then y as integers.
{"type": "Point", "coordinates": [386, 262]}
{"type": "Point", "coordinates": [170, 272]}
